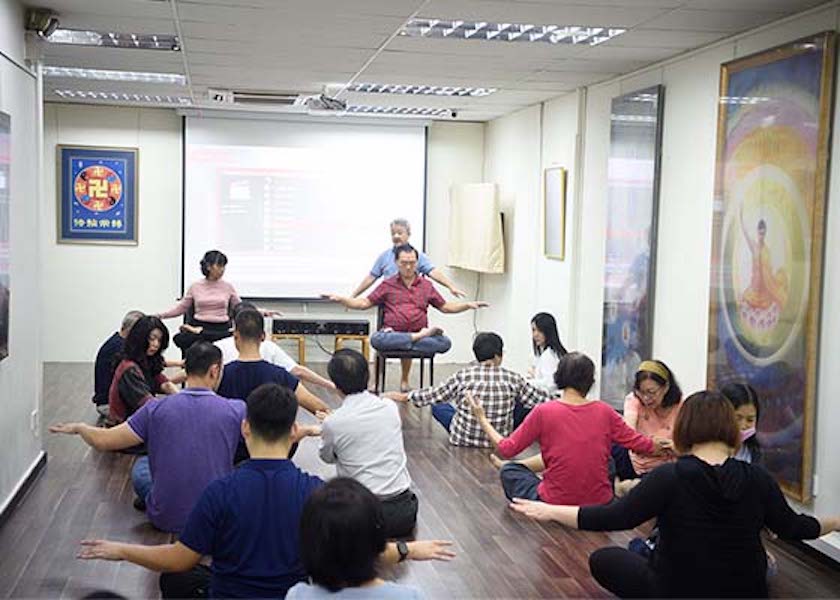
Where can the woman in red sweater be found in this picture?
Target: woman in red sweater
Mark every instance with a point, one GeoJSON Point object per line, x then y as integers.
{"type": "Point", "coordinates": [575, 436]}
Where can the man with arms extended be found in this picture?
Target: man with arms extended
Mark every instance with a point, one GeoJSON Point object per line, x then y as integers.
{"type": "Point", "coordinates": [405, 299]}
{"type": "Point", "coordinates": [248, 522]}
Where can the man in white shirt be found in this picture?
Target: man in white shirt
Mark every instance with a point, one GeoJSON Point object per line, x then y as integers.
{"type": "Point", "coordinates": [364, 439]}
{"type": "Point", "coordinates": [270, 352]}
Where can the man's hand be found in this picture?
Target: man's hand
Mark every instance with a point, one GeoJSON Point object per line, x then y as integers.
{"type": "Point", "coordinates": [476, 304]}
{"type": "Point", "coordinates": [68, 428]}
{"type": "Point", "coordinates": [458, 293]}
{"type": "Point", "coordinates": [99, 549]}
{"type": "Point", "coordinates": [475, 406]}
{"type": "Point", "coordinates": [331, 297]}
{"type": "Point", "coordinates": [430, 550]}
{"type": "Point", "coordinates": [396, 396]}
{"type": "Point", "coordinates": [308, 431]}
{"type": "Point", "coordinates": [530, 508]}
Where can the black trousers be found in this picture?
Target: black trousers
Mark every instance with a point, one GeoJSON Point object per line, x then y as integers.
{"type": "Point", "coordinates": [188, 584]}
{"type": "Point", "coordinates": [624, 573]}
{"type": "Point", "coordinates": [400, 515]}
{"type": "Point", "coordinates": [211, 332]}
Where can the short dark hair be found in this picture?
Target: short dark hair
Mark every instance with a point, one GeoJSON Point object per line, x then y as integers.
{"type": "Point", "coordinates": [706, 417]}
{"type": "Point", "coordinates": [575, 370]}
{"type": "Point", "coordinates": [137, 343]}
{"type": "Point", "coordinates": [341, 534]}
{"type": "Point", "coordinates": [487, 345]}
{"type": "Point", "coordinates": [243, 306]}
{"type": "Point", "coordinates": [271, 411]}
{"type": "Point", "coordinates": [249, 324]}
{"type": "Point", "coordinates": [740, 394]}
{"type": "Point", "coordinates": [349, 371]}
{"type": "Point", "coordinates": [200, 357]}
{"type": "Point", "coordinates": [673, 395]}
{"type": "Point", "coordinates": [405, 248]}
{"type": "Point", "coordinates": [212, 257]}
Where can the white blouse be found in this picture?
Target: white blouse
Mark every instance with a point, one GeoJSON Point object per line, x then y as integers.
{"type": "Point", "coordinates": [544, 367]}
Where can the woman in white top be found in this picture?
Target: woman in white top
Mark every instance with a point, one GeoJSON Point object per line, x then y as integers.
{"type": "Point", "coordinates": [547, 351]}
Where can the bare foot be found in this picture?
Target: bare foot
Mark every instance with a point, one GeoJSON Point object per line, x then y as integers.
{"type": "Point", "coordinates": [426, 332]}
{"type": "Point", "coordinates": [498, 462]}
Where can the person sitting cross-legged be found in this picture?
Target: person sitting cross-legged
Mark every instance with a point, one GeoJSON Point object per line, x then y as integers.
{"type": "Point", "coordinates": [270, 352]}
{"type": "Point", "coordinates": [575, 436]}
{"type": "Point", "coordinates": [248, 521]}
{"type": "Point", "coordinates": [499, 388]}
{"type": "Point", "coordinates": [191, 437]}
{"type": "Point", "coordinates": [364, 439]}
{"type": "Point", "coordinates": [106, 361]}
{"type": "Point", "coordinates": [341, 540]}
{"type": "Point", "coordinates": [405, 299]}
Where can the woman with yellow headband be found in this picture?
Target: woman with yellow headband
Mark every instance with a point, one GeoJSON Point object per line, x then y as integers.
{"type": "Point", "coordinates": [651, 408]}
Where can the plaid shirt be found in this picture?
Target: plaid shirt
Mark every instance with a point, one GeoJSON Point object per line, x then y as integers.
{"type": "Point", "coordinates": [405, 307]}
{"type": "Point", "coordinates": [496, 387]}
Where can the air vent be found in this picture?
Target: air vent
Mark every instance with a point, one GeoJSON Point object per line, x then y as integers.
{"type": "Point", "coordinates": [255, 98]}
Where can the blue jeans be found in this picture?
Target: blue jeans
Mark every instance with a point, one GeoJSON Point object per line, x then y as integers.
{"type": "Point", "coordinates": [519, 481]}
{"type": "Point", "coordinates": [141, 477]}
{"type": "Point", "coordinates": [398, 340]}
{"type": "Point", "coordinates": [443, 414]}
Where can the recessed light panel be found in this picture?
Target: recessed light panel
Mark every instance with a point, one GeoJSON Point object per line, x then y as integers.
{"type": "Point", "coordinates": [509, 32]}
{"type": "Point", "coordinates": [109, 39]}
{"type": "Point", "coordinates": [122, 97]}
{"type": "Point", "coordinates": [105, 75]}
{"type": "Point", "coordinates": [404, 111]}
{"type": "Point", "coordinates": [420, 90]}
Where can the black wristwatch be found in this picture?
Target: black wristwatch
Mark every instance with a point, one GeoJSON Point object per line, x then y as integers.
{"type": "Point", "coordinates": [402, 548]}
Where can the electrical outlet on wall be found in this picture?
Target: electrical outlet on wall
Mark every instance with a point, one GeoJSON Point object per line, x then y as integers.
{"type": "Point", "coordinates": [34, 423]}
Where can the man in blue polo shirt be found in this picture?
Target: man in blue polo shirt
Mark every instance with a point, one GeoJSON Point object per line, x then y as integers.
{"type": "Point", "coordinates": [386, 263]}
{"type": "Point", "coordinates": [248, 521]}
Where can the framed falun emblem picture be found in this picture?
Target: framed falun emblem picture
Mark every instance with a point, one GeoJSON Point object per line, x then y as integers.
{"type": "Point", "coordinates": [97, 195]}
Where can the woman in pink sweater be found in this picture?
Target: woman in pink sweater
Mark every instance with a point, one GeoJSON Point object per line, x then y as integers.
{"type": "Point", "coordinates": [575, 436]}
{"type": "Point", "coordinates": [210, 299]}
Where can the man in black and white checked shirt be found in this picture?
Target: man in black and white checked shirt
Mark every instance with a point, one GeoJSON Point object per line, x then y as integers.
{"type": "Point", "coordinates": [497, 388]}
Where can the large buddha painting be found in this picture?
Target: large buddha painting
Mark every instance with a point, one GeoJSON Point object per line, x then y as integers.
{"type": "Point", "coordinates": [773, 132]}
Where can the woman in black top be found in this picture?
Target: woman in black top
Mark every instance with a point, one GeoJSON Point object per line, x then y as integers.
{"type": "Point", "coordinates": [710, 509]}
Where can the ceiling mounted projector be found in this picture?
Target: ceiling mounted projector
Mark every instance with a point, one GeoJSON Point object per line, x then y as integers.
{"type": "Point", "coordinates": [325, 103]}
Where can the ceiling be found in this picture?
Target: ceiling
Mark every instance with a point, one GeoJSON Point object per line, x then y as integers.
{"type": "Point", "coordinates": [303, 45]}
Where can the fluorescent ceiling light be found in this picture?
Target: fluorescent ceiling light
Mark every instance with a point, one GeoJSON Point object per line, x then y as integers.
{"type": "Point", "coordinates": [420, 90]}
{"type": "Point", "coordinates": [405, 111]}
{"type": "Point", "coordinates": [509, 32]}
{"type": "Point", "coordinates": [105, 75]}
{"type": "Point", "coordinates": [109, 39]}
{"type": "Point", "coordinates": [122, 97]}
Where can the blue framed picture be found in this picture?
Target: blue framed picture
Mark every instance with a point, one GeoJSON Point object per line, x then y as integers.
{"type": "Point", "coordinates": [97, 195]}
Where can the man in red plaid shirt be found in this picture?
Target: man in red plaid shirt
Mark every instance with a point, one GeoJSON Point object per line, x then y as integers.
{"type": "Point", "coordinates": [405, 299]}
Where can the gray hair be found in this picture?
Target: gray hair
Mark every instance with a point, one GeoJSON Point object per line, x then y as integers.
{"type": "Point", "coordinates": [402, 223]}
{"type": "Point", "coordinates": [130, 318]}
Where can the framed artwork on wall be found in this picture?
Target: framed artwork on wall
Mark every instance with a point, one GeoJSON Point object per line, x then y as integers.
{"type": "Point", "coordinates": [554, 213]}
{"type": "Point", "coordinates": [629, 268]}
{"type": "Point", "coordinates": [5, 248]}
{"type": "Point", "coordinates": [774, 126]}
{"type": "Point", "coordinates": [97, 195]}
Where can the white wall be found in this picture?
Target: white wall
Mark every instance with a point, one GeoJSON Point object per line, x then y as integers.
{"type": "Point", "coordinates": [685, 218]}
{"type": "Point", "coordinates": [89, 288]}
{"type": "Point", "coordinates": [20, 373]}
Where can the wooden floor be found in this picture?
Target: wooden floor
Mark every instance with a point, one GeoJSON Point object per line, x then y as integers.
{"type": "Point", "coordinates": [83, 493]}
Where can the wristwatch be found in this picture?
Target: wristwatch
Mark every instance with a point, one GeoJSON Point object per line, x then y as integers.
{"type": "Point", "coordinates": [402, 548]}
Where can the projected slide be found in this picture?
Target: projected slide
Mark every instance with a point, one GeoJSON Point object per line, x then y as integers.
{"type": "Point", "coordinates": [299, 208]}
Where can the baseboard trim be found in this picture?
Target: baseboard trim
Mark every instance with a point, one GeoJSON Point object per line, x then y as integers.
{"type": "Point", "coordinates": [22, 488]}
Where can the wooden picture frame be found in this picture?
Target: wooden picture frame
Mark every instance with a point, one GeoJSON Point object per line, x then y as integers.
{"type": "Point", "coordinates": [554, 213]}
{"type": "Point", "coordinates": [774, 127]}
{"type": "Point", "coordinates": [97, 195]}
